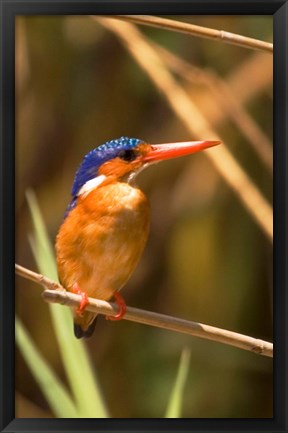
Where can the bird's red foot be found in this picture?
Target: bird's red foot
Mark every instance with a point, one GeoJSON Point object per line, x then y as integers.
{"type": "Point", "coordinates": [84, 299]}
{"type": "Point", "coordinates": [119, 300]}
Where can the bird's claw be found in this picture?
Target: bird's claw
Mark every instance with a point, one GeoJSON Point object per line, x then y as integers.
{"type": "Point", "coordinates": [119, 300]}
{"type": "Point", "coordinates": [84, 299]}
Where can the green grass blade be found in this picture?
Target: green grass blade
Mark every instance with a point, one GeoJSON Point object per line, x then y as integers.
{"type": "Point", "coordinates": [175, 402]}
{"type": "Point", "coordinates": [82, 380]}
{"type": "Point", "coordinates": [48, 382]}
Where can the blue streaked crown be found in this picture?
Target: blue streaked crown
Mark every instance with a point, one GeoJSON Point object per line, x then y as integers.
{"type": "Point", "coordinates": [88, 169]}
{"type": "Point", "coordinates": [96, 157]}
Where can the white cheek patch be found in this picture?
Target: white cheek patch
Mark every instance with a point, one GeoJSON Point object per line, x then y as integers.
{"type": "Point", "coordinates": [131, 176]}
{"type": "Point", "coordinates": [91, 184]}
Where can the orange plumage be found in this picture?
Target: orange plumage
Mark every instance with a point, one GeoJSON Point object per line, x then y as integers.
{"type": "Point", "coordinates": [101, 241]}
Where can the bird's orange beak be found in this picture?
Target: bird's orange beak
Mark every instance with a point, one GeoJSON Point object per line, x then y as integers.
{"type": "Point", "coordinates": [160, 152]}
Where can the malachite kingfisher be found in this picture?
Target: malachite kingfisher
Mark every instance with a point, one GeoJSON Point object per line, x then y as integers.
{"type": "Point", "coordinates": [106, 224]}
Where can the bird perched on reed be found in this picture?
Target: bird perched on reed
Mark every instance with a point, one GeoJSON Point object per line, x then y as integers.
{"type": "Point", "coordinates": [106, 224]}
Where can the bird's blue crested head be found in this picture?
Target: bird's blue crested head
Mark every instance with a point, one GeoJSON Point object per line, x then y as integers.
{"type": "Point", "coordinates": [121, 159]}
{"type": "Point", "coordinates": [93, 160]}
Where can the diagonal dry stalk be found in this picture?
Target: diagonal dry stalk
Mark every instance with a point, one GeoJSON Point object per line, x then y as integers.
{"type": "Point", "coordinates": [55, 293]}
{"type": "Point", "coordinates": [203, 32]}
{"type": "Point", "coordinates": [148, 59]}
{"type": "Point", "coordinates": [230, 105]}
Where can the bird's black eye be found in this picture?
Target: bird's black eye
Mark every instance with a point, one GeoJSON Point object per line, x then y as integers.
{"type": "Point", "coordinates": [127, 155]}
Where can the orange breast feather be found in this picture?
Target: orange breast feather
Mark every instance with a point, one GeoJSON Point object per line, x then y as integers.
{"type": "Point", "coordinates": [102, 239]}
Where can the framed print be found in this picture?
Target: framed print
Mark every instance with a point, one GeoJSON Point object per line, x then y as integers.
{"type": "Point", "coordinates": [95, 94]}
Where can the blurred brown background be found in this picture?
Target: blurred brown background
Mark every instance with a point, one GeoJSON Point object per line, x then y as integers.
{"type": "Point", "coordinates": [206, 260]}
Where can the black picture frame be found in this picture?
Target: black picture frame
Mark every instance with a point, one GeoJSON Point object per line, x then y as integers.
{"type": "Point", "coordinates": [9, 9]}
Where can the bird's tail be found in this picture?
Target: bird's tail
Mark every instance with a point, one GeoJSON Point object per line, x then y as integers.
{"type": "Point", "coordinates": [84, 326]}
